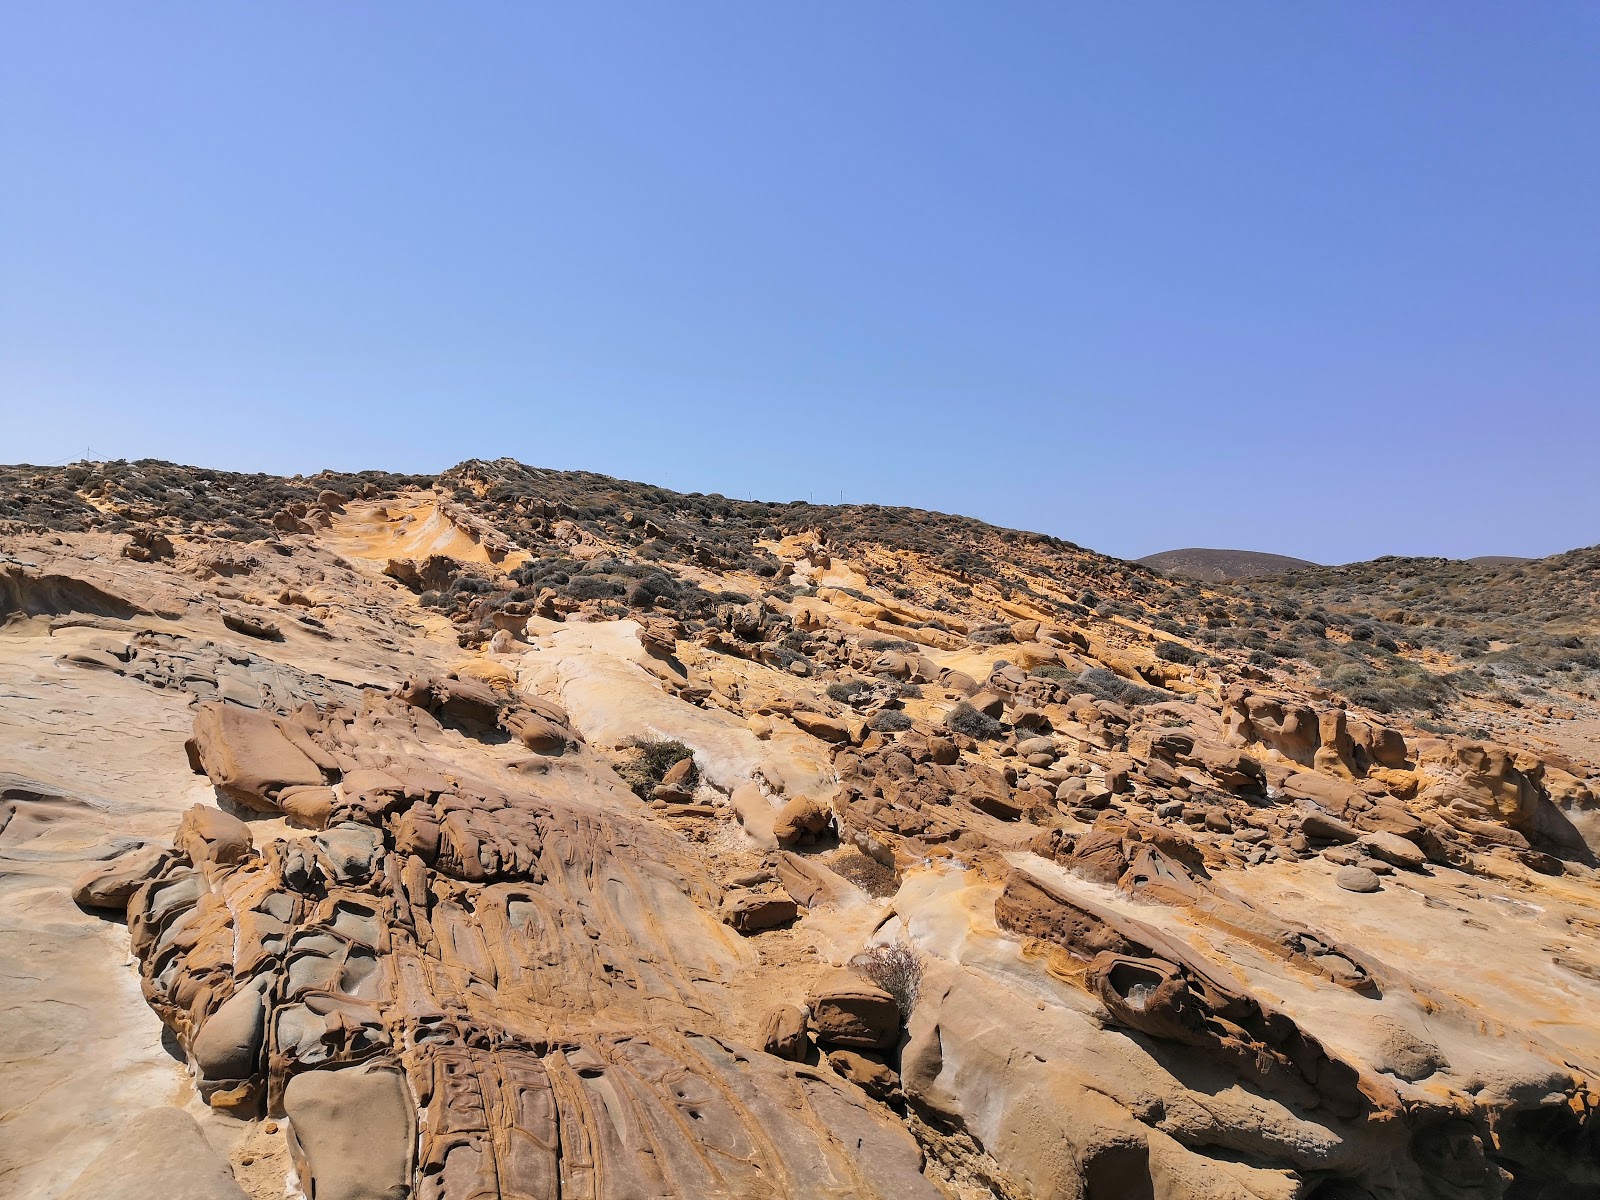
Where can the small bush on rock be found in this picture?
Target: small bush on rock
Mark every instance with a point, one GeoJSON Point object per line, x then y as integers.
{"type": "Point", "coordinates": [652, 759]}
{"type": "Point", "coordinates": [897, 969]}
{"type": "Point", "coordinates": [963, 718]}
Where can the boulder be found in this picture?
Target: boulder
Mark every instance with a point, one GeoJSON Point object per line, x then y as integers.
{"type": "Point", "coordinates": [208, 834]}
{"type": "Point", "coordinates": [801, 819]}
{"type": "Point", "coordinates": [810, 882]}
{"type": "Point", "coordinates": [677, 785]}
{"type": "Point", "coordinates": [228, 1048]}
{"type": "Point", "coordinates": [1326, 828]}
{"type": "Point", "coordinates": [1229, 766]}
{"type": "Point", "coordinates": [1378, 744]}
{"type": "Point", "coordinates": [1028, 747]}
{"type": "Point", "coordinates": [247, 757]}
{"type": "Point", "coordinates": [680, 775]}
{"type": "Point", "coordinates": [351, 1133]}
{"type": "Point", "coordinates": [1356, 879]}
{"type": "Point", "coordinates": [110, 885]}
{"type": "Point", "coordinates": [819, 725]}
{"type": "Point", "coordinates": [996, 801]}
{"type": "Point", "coordinates": [1071, 791]}
{"type": "Point", "coordinates": [542, 728]}
{"type": "Point", "coordinates": [1336, 795]}
{"type": "Point", "coordinates": [751, 912]}
{"type": "Point", "coordinates": [869, 1073]}
{"type": "Point", "coordinates": [308, 807]}
{"type": "Point", "coordinates": [451, 698]}
{"type": "Point", "coordinates": [990, 704]}
{"type": "Point", "coordinates": [1390, 818]}
{"type": "Point", "coordinates": [783, 1033]}
{"type": "Point", "coordinates": [756, 814]}
{"type": "Point", "coordinates": [1394, 850]}
{"type": "Point", "coordinates": [848, 1009]}
{"type": "Point", "coordinates": [252, 626]}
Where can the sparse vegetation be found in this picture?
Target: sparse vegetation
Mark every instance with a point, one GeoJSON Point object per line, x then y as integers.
{"type": "Point", "coordinates": [880, 645]}
{"type": "Point", "coordinates": [1176, 652]}
{"type": "Point", "coordinates": [889, 720]}
{"type": "Point", "coordinates": [650, 761]}
{"type": "Point", "coordinates": [850, 691]}
{"type": "Point", "coordinates": [963, 718]}
{"type": "Point", "coordinates": [897, 969]}
{"type": "Point", "coordinates": [866, 872]}
{"type": "Point", "coordinates": [1106, 685]}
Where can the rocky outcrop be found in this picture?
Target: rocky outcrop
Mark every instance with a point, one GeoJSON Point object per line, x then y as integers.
{"type": "Point", "coordinates": [664, 852]}
{"type": "Point", "coordinates": [494, 970]}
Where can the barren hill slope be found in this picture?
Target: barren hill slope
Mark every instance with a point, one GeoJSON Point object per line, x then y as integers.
{"type": "Point", "coordinates": [1213, 566]}
{"type": "Point", "coordinates": [523, 833]}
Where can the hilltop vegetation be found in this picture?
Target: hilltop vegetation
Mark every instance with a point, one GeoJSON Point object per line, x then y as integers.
{"type": "Point", "coordinates": [1393, 635]}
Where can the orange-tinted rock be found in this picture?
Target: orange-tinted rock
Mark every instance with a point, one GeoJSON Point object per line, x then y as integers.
{"type": "Point", "coordinates": [849, 1010]}
{"type": "Point", "coordinates": [247, 757]}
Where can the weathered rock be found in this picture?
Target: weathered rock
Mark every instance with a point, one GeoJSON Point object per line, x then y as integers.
{"type": "Point", "coordinates": [351, 1133]}
{"type": "Point", "coordinates": [469, 899]}
{"type": "Point", "coordinates": [308, 807]}
{"type": "Point", "coordinates": [111, 885]}
{"type": "Point", "coordinates": [680, 775]}
{"type": "Point", "coordinates": [751, 912]}
{"type": "Point", "coordinates": [228, 1050]}
{"type": "Point", "coordinates": [801, 818]}
{"type": "Point", "coordinates": [990, 704]}
{"type": "Point", "coordinates": [1326, 828]}
{"type": "Point", "coordinates": [540, 726]}
{"type": "Point", "coordinates": [1405, 1055]}
{"type": "Point", "coordinates": [247, 757]}
{"type": "Point", "coordinates": [783, 1033]}
{"type": "Point", "coordinates": [876, 1078]}
{"type": "Point", "coordinates": [1356, 879]}
{"type": "Point", "coordinates": [1037, 745]}
{"type": "Point", "coordinates": [849, 1010]}
{"type": "Point", "coordinates": [755, 814]}
{"type": "Point", "coordinates": [1395, 850]}
{"type": "Point", "coordinates": [161, 1155]}
{"type": "Point", "coordinates": [208, 834]}
{"type": "Point", "coordinates": [252, 626]}
{"type": "Point", "coordinates": [819, 725]}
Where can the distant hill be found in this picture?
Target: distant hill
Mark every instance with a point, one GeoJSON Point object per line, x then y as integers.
{"type": "Point", "coordinates": [1214, 566]}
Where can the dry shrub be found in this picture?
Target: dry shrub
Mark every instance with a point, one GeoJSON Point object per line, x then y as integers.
{"type": "Point", "coordinates": [897, 969]}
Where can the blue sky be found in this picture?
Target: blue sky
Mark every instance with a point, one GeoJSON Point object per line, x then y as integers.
{"type": "Point", "coordinates": [1321, 279]}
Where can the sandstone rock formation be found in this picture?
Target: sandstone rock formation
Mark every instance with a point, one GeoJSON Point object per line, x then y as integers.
{"type": "Point", "coordinates": [473, 839]}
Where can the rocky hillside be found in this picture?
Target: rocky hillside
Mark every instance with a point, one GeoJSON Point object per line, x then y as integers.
{"type": "Point", "coordinates": [531, 834]}
{"type": "Point", "coordinates": [1214, 566]}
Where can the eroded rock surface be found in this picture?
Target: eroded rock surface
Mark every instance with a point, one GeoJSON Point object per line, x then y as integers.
{"type": "Point", "coordinates": [472, 844]}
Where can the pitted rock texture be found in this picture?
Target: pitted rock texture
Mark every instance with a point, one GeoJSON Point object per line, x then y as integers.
{"type": "Point", "coordinates": [533, 978]}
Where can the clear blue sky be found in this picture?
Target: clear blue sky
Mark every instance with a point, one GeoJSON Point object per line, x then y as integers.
{"type": "Point", "coordinates": [1317, 278]}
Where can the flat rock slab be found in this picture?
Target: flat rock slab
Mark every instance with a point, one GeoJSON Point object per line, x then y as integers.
{"type": "Point", "coordinates": [159, 1155]}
